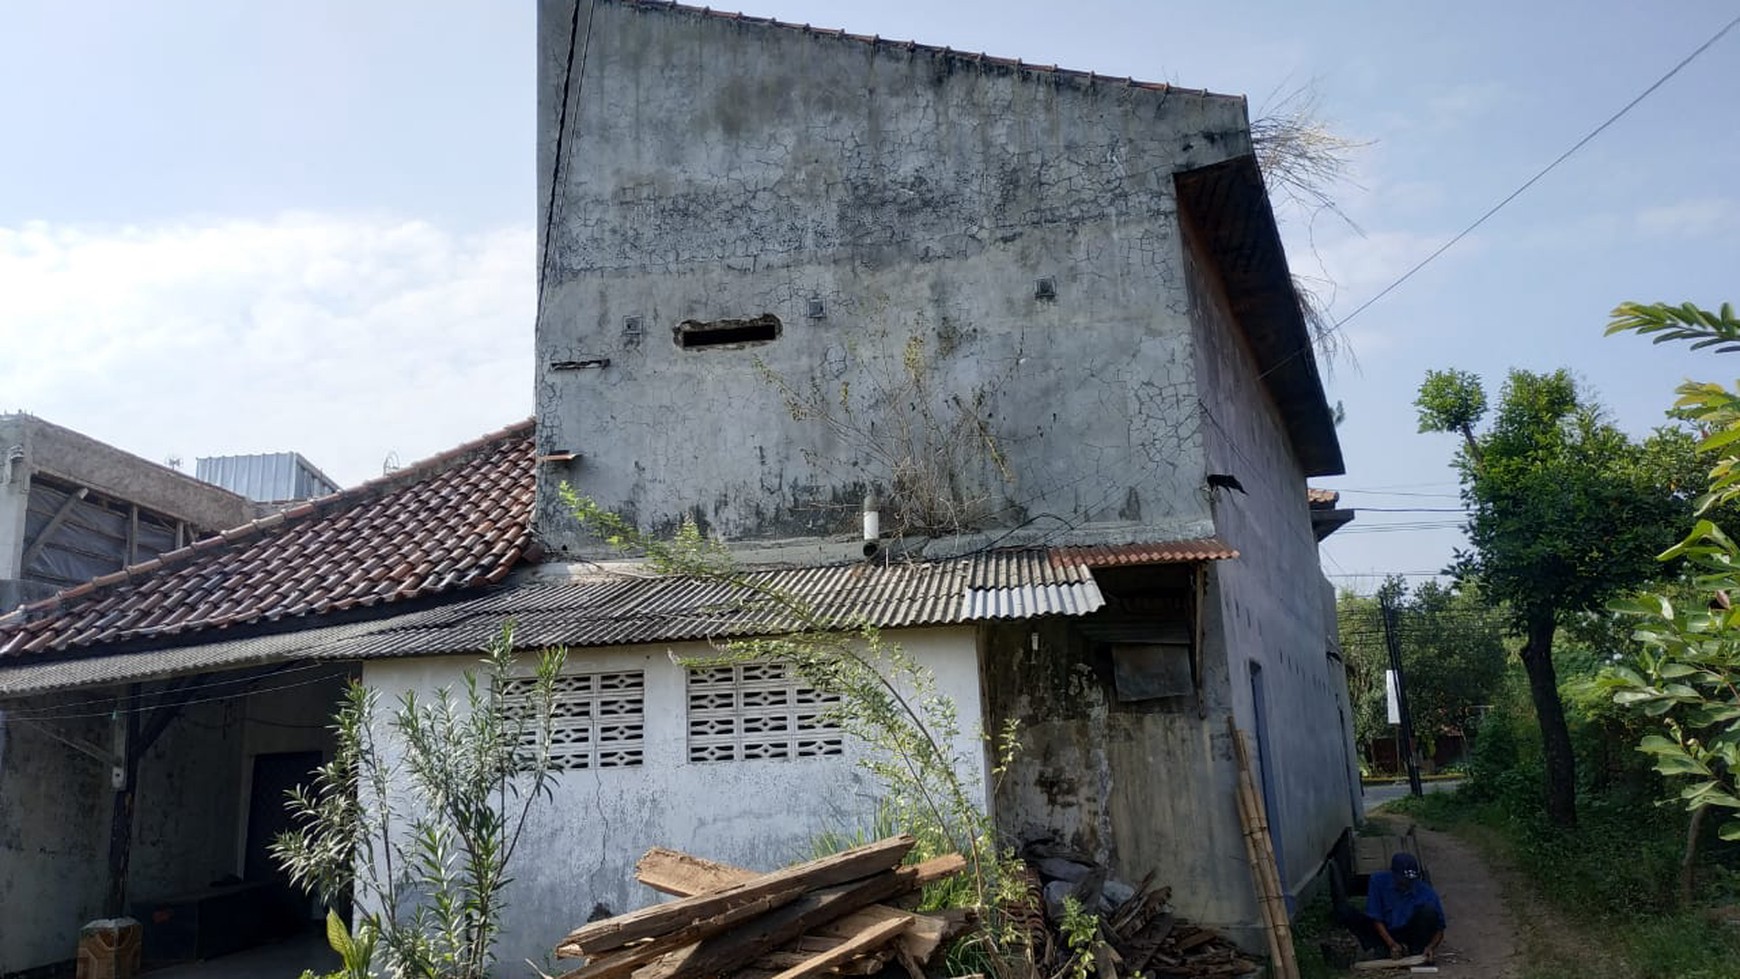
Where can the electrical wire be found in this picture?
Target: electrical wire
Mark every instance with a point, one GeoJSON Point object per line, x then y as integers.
{"type": "Point", "coordinates": [96, 704]}
{"type": "Point", "coordinates": [562, 141]}
{"type": "Point", "coordinates": [1406, 509]}
{"type": "Point", "coordinates": [147, 708]}
{"type": "Point", "coordinates": [1513, 195]}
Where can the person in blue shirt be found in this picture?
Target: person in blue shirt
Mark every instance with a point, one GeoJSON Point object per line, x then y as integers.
{"type": "Point", "coordinates": [1402, 916]}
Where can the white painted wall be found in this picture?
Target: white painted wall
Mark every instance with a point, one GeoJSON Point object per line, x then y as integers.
{"type": "Point", "coordinates": [580, 847]}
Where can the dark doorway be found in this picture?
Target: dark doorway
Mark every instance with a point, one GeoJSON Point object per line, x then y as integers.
{"type": "Point", "coordinates": [274, 776]}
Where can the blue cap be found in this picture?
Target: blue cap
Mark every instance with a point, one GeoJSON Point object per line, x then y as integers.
{"type": "Point", "coordinates": [1405, 865]}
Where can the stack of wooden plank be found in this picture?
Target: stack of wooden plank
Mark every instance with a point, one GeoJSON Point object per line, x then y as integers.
{"type": "Point", "coordinates": [1146, 937]}
{"type": "Point", "coordinates": [1140, 933]}
{"type": "Point", "coordinates": [827, 916]}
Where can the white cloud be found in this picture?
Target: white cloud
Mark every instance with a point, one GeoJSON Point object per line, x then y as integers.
{"type": "Point", "coordinates": [1464, 103]}
{"type": "Point", "coordinates": [1360, 265]}
{"type": "Point", "coordinates": [1689, 219]}
{"type": "Point", "coordinates": [340, 337]}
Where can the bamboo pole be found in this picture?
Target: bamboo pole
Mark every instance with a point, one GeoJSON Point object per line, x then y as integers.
{"type": "Point", "coordinates": [1259, 847]}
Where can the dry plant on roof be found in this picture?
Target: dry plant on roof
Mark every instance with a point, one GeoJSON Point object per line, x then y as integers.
{"type": "Point", "coordinates": [419, 813]}
{"type": "Point", "coordinates": [1302, 158]}
{"type": "Point", "coordinates": [1304, 162]}
{"type": "Point", "coordinates": [931, 454]}
{"type": "Point", "coordinates": [887, 701]}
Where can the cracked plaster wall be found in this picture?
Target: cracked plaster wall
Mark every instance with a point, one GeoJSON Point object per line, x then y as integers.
{"type": "Point", "coordinates": [717, 169]}
{"type": "Point", "coordinates": [580, 846]}
{"type": "Point", "coordinates": [54, 835]}
{"type": "Point", "coordinates": [190, 808]}
{"type": "Point", "coordinates": [1268, 606]}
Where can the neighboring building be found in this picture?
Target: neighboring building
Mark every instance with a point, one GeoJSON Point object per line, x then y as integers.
{"type": "Point", "coordinates": [1071, 374]}
{"type": "Point", "coordinates": [73, 508]}
{"type": "Point", "coordinates": [277, 477]}
{"type": "Point", "coordinates": [207, 655]}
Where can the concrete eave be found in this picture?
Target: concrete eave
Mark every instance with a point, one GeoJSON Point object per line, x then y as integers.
{"type": "Point", "coordinates": [1228, 206]}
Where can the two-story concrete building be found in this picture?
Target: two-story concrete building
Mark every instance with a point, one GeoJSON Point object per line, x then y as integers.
{"type": "Point", "coordinates": [1038, 321]}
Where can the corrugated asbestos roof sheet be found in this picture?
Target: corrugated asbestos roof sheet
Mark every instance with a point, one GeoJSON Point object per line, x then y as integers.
{"type": "Point", "coordinates": [456, 521]}
{"type": "Point", "coordinates": [610, 609]}
{"type": "Point", "coordinates": [613, 610]}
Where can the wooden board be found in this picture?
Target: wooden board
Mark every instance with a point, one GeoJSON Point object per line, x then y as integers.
{"type": "Point", "coordinates": [1405, 962]}
{"type": "Point", "coordinates": [1373, 853]}
{"type": "Point", "coordinates": [850, 865]}
{"type": "Point", "coordinates": [867, 940]}
{"type": "Point", "coordinates": [684, 875]}
{"type": "Point", "coordinates": [624, 961]}
{"type": "Point", "coordinates": [727, 952]}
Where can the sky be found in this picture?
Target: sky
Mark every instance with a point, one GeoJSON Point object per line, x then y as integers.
{"type": "Point", "coordinates": [310, 226]}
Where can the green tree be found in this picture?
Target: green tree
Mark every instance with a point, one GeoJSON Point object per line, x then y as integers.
{"type": "Point", "coordinates": [1453, 654]}
{"type": "Point", "coordinates": [1453, 657]}
{"type": "Point", "coordinates": [1688, 675]}
{"type": "Point", "coordinates": [1565, 511]}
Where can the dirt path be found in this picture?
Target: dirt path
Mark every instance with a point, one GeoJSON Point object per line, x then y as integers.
{"type": "Point", "coordinates": [1481, 940]}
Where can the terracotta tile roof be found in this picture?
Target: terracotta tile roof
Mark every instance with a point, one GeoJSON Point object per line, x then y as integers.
{"type": "Point", "coordinates": [1321, 497]}
{"type": "Point", "coordinates": [1167, 552]}
{"type": "Point", "coordinates": [967, 57]}
{"type": "Point", "coordinates": [460, 519]}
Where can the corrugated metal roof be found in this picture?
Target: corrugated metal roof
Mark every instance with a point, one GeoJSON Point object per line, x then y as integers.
{"type": "Point", "coordinates": [1169, 552]}
{"type": "Point", "coordinates": [622, 609]}
{"type": "Point", "coordinates": [266, 477]}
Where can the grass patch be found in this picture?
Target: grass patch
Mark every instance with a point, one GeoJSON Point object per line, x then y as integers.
{"type": "Point", "coordinates": [1311, 927]}
{"type": "Point", "coordinates": [1601, 897]}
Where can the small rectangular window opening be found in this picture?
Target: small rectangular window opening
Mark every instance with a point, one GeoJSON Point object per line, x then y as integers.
{"type": "Point", "coordinates": [692, 334]}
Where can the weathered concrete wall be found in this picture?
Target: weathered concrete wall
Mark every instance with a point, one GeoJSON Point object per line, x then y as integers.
{"type": "Point", "coordinates": [14, 500]}
{"type": "Point", "coordinates": [1141, 787]}
{"type": "Point", "coordinates": [54, 834]}
{"type": "Point", "coordinates": [718, 169]}
{"type": "Point", "coordinates": [1266, 607]}
{"type": "Point", "coordinates": [190, 807]}
{"type": "Point", "coordinates": [580, 847]}
{"type": "Point", "coordinates": [192, 804]}
{"type": "Point", "coordinates": [1343, 705]}
{"type": "Point", "coordinates": [186, 808]}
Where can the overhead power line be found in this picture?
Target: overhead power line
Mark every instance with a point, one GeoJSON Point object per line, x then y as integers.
{"type": "Point", "coordinates": [562, 140]}
{"type": "Point", "coordinates": [1409, 509]}
{"type": "Point", "coordinates": [1513, 195]}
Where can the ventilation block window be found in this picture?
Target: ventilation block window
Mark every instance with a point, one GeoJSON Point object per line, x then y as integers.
{"type": "Point", "coordinates": [758, 710]}
{"type": "Point", "coordinates": [598, 721]}
{"type": "Point", "coordinates": [695, 334]}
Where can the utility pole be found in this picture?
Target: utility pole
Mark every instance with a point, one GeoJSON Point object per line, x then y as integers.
{"type": "Point", "coordinates": [1409, 756]}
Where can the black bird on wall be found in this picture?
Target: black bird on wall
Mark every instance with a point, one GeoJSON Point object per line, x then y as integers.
{"type": "Point", "coordinates": [1225, 481]}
